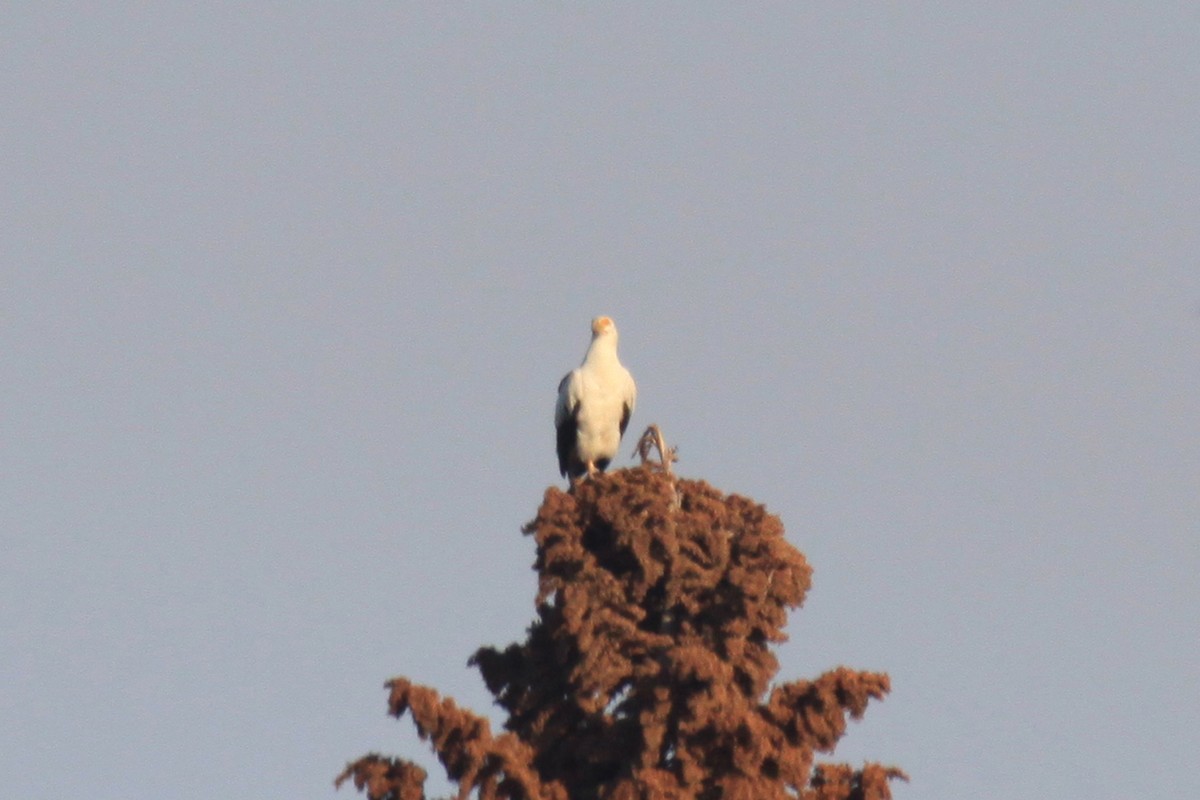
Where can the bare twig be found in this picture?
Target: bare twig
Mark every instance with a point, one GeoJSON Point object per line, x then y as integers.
{"type": "Point", "coordinates": [653, 439]}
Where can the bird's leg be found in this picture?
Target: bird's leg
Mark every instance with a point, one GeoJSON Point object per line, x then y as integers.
{"type": "Point", "coordinates": [592, 472]}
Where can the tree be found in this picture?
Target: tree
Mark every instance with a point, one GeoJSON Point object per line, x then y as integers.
{"type": "Point", "coordinates": [647, 673]}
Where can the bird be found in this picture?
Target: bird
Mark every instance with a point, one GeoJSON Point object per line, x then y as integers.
{"type": "Point", "coordinates": [594, 404]}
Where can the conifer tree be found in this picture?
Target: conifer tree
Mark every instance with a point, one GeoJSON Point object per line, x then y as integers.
{"type": "Point", "coordinates": [648, 672]}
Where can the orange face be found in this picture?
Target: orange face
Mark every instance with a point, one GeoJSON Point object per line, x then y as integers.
{"type": "Point", "coordinates": [602, 325]}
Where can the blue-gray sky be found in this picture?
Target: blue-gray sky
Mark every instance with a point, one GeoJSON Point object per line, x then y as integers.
{"type": "Point", "coordinates": [287, 290]}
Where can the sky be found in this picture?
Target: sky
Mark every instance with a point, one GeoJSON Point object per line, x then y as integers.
{"type": "Point", "coordinates": [287, 290]}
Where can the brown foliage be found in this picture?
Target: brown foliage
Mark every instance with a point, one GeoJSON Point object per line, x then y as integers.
{"type": "Point", "coordinates": [646, 673]}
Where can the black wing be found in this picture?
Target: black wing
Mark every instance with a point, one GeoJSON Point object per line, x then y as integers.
{"type": "Point", "coordinates": [626, 412]}
{"type": "Point", "coordinates": [566, 430]}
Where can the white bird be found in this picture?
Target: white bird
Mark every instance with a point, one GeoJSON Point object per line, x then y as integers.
{"type": "Point", "coordinates": [595, 402]}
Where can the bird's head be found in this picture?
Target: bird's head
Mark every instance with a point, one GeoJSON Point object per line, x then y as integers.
{"type": "Point", "coordinates": [602, 326]}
